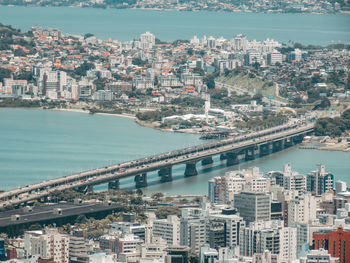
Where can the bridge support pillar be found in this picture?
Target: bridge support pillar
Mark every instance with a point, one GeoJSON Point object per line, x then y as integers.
{"type": "Point", "coordinates": [298, 139]}
{"type": "Point", "coordinates": [250, 154]}
{"type": "Point", "coordinates": [288, 142]}
{"type": "Point", "coordinates": [223, 157]}
{"type": "Point", "coordinates": [191, 169]}
{"type": "Point", "coordinates": [208, 160]}
{"type": "Point", "coordinates": [114, 185]}
{"type": "Point", "coordinates": [232, 159]}
{"type": "Point", "coordinates": [277, 146]}
{"type": "Point", "coordinates": [264, 149]}
{"type": "Point", "coordinates": [165, 174]}
{"type": "Point", "coordinates": [141, 180]}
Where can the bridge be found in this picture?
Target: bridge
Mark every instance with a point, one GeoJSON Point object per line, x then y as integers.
{"type": "Point", "coordinates": [232, 150]}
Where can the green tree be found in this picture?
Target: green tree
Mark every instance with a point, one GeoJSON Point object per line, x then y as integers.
{"type": "Point", "coordinates": [325, 103]}
{"type": "Point", "coordinates": [329, 127]}
{"type": "Point", "coordinates": [163, 212]}
{"type": "Point", "coordinates": [83, 68]}
{"type": "Point", "coordinates": [346, 118]}
{"type": "Point", "coordinates": [4, 73]}
{"type": "Point", "coordinates": [81, 219]}
{"type": "Point", "coordinates": [139, 62]}
{"type": "Point", "coordinates": [34, 227]}
{"type": "Point", "coordinates": [193, 258]}
{"type": "Point", "coordinates": [209, 80]}
{"type": "Point", "coordinates": [87, 35]}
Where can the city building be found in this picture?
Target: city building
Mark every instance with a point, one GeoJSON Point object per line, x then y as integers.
{"type": "Point", "coordinates": [177, 254]}
{"type": "Point", "coordinates": [193, 232]}
{"type": "Point", "coordinates": [77, 248]}
{"type": "Point", "coordinates": [290, 180]}
{"type": "Point", "coordinates": [147, 40]}
{"type": "Point", "coordinates": [168, 229]}
{"type": "Point", "coordinates": [208, 255]}
{"type": "Point", "coordinates": [340, 186]}
{"type": "Point", "coordinates": [47, 244]}
{"type": "Point", "coordinates": [318, 256]}
{"type": "Point", "coordinates": [301, 209]}
{"type": "Point", "coordinates": [320, 181]}
{"type": "Point", "coordinates": [127, 243]}
{"type": "Point", "coordinates": [274, 57]}
{"type": "Point", "coordinates": [253, 206]}
{"type": "Point", "coordinates": [224, 228]}
{"type": "Point", "coordinates": [217, 190]}
{"type": "Point", "coordinates": [337, 243]}
{"type": "Point", "coordinates": [258, 237]}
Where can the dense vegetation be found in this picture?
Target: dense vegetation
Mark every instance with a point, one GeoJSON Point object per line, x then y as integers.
{"type": "Point", "coordinates": [10, 36]}
{"type": "Point", "coordinates": [333, 126]}
{"type": "Point", "coordinates": [157, 115]}
{"type": "Point", "coordinates": [267, 119]}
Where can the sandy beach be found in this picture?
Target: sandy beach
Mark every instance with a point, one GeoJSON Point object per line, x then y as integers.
{"type": "Point", "coordinates": [124, 115]}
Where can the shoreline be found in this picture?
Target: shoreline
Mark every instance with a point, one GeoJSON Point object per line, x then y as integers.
{"type": "Point", "coordinates": [332, 147]}
{"type": "Point", "coordinates": [125, 115]}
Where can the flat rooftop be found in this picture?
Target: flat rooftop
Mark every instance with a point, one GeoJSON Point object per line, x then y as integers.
{"type": "Point", "coordinates": [50, 212]}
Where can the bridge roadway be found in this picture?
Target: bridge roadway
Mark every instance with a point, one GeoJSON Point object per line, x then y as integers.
{"type": "Point", "coordinates": [262, 142]}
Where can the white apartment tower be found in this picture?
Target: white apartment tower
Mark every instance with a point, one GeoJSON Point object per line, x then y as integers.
{"type": "Point", "coordinates": [288, 243]}
{"type": "Point", "coordinates": [168, 229]}
{"type": "Point", "coordinates": [48, 244]}
{"type": "Point", "coordinates": [302, 210]}
{"type": "Point", "coordinates": [148, 40]}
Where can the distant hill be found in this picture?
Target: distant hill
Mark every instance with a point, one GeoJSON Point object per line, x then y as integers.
{"type": "Point", "coordinates": [10, 36]}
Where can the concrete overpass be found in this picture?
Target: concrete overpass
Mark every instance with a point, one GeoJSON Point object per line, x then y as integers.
{"type": "Point", "coordinates": [233, 150]}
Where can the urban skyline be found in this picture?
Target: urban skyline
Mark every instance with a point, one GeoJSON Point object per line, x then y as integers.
{"type": "Point", "coordinates": [237, 100]}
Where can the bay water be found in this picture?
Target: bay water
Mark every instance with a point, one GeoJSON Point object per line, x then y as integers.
{"type": "Point", "coordinates": [37, 145]}
{"type": "Point", "coordinates": [128, 24]}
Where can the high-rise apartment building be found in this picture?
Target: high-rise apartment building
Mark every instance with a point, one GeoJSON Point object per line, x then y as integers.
{"type": "Point", "coordinates": [48, 244]}
{"type": "Point", "coordinates": [77, 248]}
{"type": "Point", "coordinates": [228, 225]}
{"type": "Point", "coordinates": [217, 190]}
{"type": "Point", "coordinates": [253, 206]}
{"type": "Point", "coordinates": [289, 179]}
{"type": "Point", "coordinates": [301, 209]}
{"type": "Point", "coordinates": [269, 235]}
{"type": "Point", "coordinates": [193, 233]}
{"type": "Point", "coordinates": [274, 57]}
{"type": "Point", "coordinates": [336, 242]}
{"type": "Point", "coordinates": [256, 238]}
{"type": "Point", "coordinates": [147, 40]}
{"type": "Point", "coordinates": [168, 229]}
{"type": "Point", "coordinates": [288, 243]}
{"type": "Point", "coordinates": [320, 181]}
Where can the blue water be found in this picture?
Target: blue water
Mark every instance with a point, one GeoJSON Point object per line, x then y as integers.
{"type": "Point", "coordinates": [128, 24]}
{"type": "Point", "coordinates": [37, 145]}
